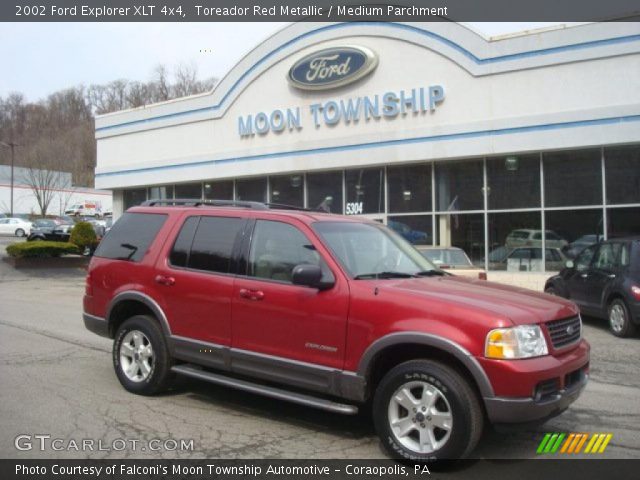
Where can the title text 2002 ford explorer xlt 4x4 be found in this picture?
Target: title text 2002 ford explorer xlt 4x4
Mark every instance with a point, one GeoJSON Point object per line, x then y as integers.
{"type": "Point", "coordinates": [330, 312]}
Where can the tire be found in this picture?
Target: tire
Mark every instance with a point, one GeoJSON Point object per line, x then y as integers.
{"type": "Point", "coordinates": [619, 317]}
{"type": "Point", "coordinates": [551, 291]}
{"type": "Point", "coordinates": [139, 369]}
{"type": "Point", "coordinates": [452, 398]}
{"type": "Point", "coordinates": [20, 233]}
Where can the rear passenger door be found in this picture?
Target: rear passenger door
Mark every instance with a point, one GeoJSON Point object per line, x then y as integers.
{"type": "Point", "coordinates": [196, 278]}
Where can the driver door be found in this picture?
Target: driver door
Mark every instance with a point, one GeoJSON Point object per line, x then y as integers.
{"type": "Point", "coordinates": [273, 316]}
{"type": "Point", "coordinates": [576, 277]}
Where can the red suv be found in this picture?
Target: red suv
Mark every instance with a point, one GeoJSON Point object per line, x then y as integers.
{"type": "Point", "coordinates": [332, 312]}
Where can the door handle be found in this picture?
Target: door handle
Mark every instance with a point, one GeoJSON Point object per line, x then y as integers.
{"type": "Point", "coordinates": [251, 294]}
{"type": "Point", "coordinates": [164, 280]}
{"type": "Point", "coordinates": [611, 275]}
{"type": "Point", "coordinates": [584, 275]}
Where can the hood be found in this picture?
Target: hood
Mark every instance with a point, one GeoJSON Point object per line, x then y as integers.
{"type": "Point", "coordinates": [519, 305]}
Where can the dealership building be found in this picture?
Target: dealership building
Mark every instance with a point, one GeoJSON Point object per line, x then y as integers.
{"type": "Point", "coordinates": [448, 137]}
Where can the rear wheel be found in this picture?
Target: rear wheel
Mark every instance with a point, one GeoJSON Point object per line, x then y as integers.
{"type": "Point", "coordinates": [620, 322]}
{"type": "Point", "coordinates": [141, 356]}
{"type": "Point", "coordinates": [425, 411]}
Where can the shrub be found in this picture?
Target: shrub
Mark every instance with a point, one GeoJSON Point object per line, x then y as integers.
{"type": "Point", "coordinates": [41, 249]}
{"type": "Point", "coordinates": [83, 236]}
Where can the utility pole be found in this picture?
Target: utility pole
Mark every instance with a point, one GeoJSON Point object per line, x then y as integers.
{"type": "Point", "coordinates": [12, 146]}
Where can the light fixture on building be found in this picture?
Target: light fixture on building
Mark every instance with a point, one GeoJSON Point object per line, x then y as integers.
{"type": "Point", "coordinates": [296, 181]}
{"type": "Point", "coordinates": [511, 164]}
{"type": "Point", "coordinates": [406, 195]}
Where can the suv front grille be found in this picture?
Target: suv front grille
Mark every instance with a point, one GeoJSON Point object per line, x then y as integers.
{"type": "Point", "coordinates": [565, 332]}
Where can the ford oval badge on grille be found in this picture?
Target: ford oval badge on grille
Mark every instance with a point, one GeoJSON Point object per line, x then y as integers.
{"type": "Point", "coordinates": [332, 67]}
{"type": "Point", "coordinates": [570, 330]}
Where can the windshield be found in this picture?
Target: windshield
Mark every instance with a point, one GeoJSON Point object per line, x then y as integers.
{"type": "Point", "coordinates": [370, 251]}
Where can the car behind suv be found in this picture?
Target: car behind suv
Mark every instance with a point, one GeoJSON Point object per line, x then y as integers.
{"type": "Point", "coordinates": [332, 312]}
{"type": "Point", "coordinates": [604, 280]}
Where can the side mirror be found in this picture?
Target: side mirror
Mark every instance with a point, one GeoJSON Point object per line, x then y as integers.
{"type": "Point", "coordinates": [309, 276]}
{"type": "Point", "coordinates": [569, 264]}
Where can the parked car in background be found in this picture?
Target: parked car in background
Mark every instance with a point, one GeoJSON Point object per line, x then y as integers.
{"type": "Point", "coordinates": [15, 226]}
{"type": "Point", "coordinates": [525, 237]}
{"type": "Point", "coordinates": [575, 247]}
{"type": "Point", "coordinates": [529, 259]}
{"type": "Point", "coordinates": [416, 237]}
{"type": "Point", "coordinates": [453, 259]}
{"type": "Point", "coordinates": [43, 228]}
{"type": "Point", "coordinates": [604, 281]}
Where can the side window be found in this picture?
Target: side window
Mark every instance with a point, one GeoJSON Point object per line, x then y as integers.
{"type": "Point", "coordinates": [584, 259]}
{"type": "Point", "coordinates": [552, 255]}
{"type": "Point", "coordinates": [179, 255]}
{"type": "Point", "coordinates": [276, 248]}
{"type": "Point", "coordinates": [607, 256]}
{"type": "Point", "coordinates": [625, 257]}
{"type": "Point", "coordinates": [213, 243]}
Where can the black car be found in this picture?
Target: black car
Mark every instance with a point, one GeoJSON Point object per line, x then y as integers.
{"type": "Point", "coordinates": [604, 280]}
{"type": "Point", "coordinates": [47, 229]}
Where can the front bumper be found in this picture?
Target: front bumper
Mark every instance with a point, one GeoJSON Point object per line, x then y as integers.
{"type": "Point", "coordinates": [536, 389]}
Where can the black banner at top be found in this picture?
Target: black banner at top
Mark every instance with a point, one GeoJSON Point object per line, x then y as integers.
{"type": "Point", "coordinates": [317, 10]}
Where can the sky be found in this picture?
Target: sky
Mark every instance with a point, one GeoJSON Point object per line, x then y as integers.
{"type": "Point", "coordinates": [41, 58]}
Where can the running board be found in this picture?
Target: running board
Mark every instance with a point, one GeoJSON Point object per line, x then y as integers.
{"type": "Point", "coordinates": [294, 397]}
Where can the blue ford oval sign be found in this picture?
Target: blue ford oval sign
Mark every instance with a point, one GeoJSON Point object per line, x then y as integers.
{"type": "Point", "coordinates": [332, 67]}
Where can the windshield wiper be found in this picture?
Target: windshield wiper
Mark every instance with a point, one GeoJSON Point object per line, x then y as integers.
{"type": "Point", "coordinates": [431, 273]}
{"type": "Point", "coordinates": [384, 275]}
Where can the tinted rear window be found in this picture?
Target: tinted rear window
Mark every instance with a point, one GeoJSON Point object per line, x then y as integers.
{"type": "Point", "coordinates": [131, 236]}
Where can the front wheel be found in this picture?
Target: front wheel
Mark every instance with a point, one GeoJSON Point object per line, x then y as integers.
{"type": "Point", "coordinates": [141, 356]}
{"type": "Point", "coordinates": [620, 323]}
{"type": "Point", "coordinates": [426, 411]}
{"type": "Point", "coordinates": [20, 233]}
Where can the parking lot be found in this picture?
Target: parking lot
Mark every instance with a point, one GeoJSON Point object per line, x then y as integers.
{"type": "Point", "coordinates": [57, 380]}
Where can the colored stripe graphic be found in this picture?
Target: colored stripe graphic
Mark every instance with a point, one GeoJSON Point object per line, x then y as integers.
{"type": "Point", "coordinates": [572, 443]}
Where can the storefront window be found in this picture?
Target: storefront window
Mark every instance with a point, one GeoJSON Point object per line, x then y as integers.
{"type": "Point", "coordinates": [570, 231]}
{"type": "Point", "coordinates": [190, 191]}
{"type": "Point", "coordinates": [416, 229]}
{"type": "Point", "coordinates": [252, 190]}
{"type": "Point", "coordinates": [409, 188]}
{"type": "Point", "coordinates": [220, 190]}
{"type": "Point", "coordinates": [572, 178]}
{"type": "Point", "coordinates": [623, 222]}
{"type": "Point", "coordinates": [324, 191]}
{"type": "Point", "coordinates": [133, 196]}
{"type": "Point", "coordinates": [365, 191]}
{"type": "Point", "coordinates": [287, 189]}
{"type": "Point", "coordinates": [513, 182]}
{"type": "Point", "coordinates": [161, 192]}
{"type": "Point", "coordinates": [459, 186]}
{"type": "Point", "coordinates": [465, 231]}
{"type": "Point", "coordinates": [509, 234]}
{"type": "Point", "coordinates": [622, 169]}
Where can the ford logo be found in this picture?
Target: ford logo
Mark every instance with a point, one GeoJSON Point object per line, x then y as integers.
{"type": "Point", "coordinates": [570, 330]}
{"type": "Point", "coordinates": [332, 67]}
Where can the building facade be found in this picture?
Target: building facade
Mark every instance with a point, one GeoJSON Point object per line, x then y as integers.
{"type": "Point", "coordinates": [447, 137]}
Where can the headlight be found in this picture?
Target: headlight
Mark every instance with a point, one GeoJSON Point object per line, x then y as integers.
{"type": "Point", "coordinates": [524, 341]}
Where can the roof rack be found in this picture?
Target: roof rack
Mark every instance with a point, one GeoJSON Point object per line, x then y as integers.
{"type": "Point", "coordinates": [223, 203]}
{"type": "Point", "coordinates": [204, 203]}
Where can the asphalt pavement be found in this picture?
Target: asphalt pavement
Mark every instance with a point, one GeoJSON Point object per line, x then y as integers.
{"type": "Point", "coordinates": [57, 380]}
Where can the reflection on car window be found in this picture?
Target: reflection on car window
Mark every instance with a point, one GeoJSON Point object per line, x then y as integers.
{"type": "Point", "coordinates": [607, 256]}
{"type": "Point", "coordinates": [276, 248]}
{"type": "Point", "coordinates": [584, 259]}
